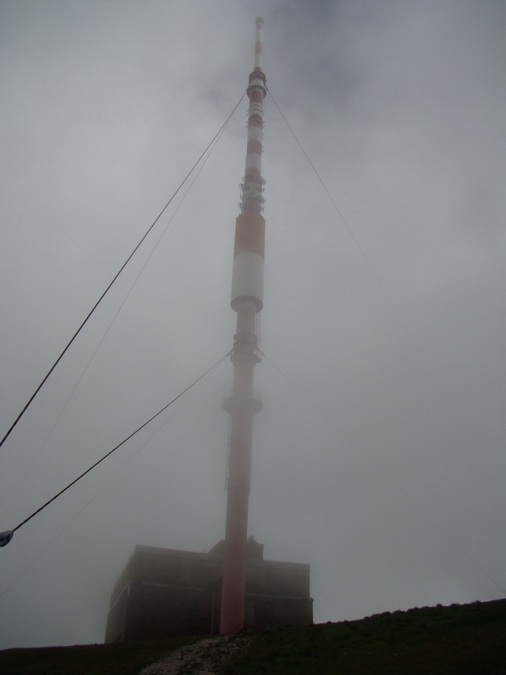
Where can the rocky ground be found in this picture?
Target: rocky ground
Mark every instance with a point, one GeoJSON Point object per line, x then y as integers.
{"type": "Point", "coordinates": [201, 658]}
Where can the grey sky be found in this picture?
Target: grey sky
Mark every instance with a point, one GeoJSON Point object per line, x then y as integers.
{"type": "Point", "coordinates": [379, 455]}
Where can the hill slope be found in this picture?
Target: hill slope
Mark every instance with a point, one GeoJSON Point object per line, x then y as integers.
{"type": "Point", "coordinates": [456, 640]}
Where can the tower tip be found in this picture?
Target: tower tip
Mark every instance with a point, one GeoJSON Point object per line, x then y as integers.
{"type": "Point", "coordinates": [258, 44]}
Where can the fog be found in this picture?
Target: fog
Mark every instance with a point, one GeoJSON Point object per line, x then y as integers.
{"type": "Point", "coordinates": [378, 457]}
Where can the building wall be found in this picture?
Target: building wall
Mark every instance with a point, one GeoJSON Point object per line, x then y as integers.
{"type": "Point", "coordinates": [164, 592]}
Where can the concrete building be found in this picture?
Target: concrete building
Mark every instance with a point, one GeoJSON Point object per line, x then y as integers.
{"type": "Point", "coordinates": [164, 592]}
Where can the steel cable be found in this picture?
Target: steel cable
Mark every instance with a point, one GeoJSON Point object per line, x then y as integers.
{"type": "Point", "coordinates": [5, 537]}
{"type": "Point", "coordinates": [25, 408]}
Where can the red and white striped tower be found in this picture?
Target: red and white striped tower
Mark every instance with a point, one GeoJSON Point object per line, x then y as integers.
{"type": "Point", "coordinates": [247, 300]}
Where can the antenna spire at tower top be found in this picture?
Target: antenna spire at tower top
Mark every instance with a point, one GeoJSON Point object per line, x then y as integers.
{"type": "Point", "coordinates": [258, 43]}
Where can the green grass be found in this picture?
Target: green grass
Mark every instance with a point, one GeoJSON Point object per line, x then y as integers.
{"type": "Point", "coordinates": [456, 640]}
{"type": "Point", "coordinates": [111, 659]}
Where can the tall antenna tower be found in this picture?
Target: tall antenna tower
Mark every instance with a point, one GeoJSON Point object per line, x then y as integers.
{"type": "Point", "coordinates": [177, 589]}
{"type": "Point", "coordinates": [247, 301]}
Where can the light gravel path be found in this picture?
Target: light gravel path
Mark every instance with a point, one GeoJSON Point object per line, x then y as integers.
{"type": "Point", "coordinates": [201, 658]}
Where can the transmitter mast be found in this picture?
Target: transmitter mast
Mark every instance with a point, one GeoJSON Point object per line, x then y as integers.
{"type": "Point", "coordinates": [247, 301]}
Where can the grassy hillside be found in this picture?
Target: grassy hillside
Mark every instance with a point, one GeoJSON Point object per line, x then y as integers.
{"type": "Point", "coordinates": [456, 640]}
{"type": "Point", "coordinates": [86, 659]}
